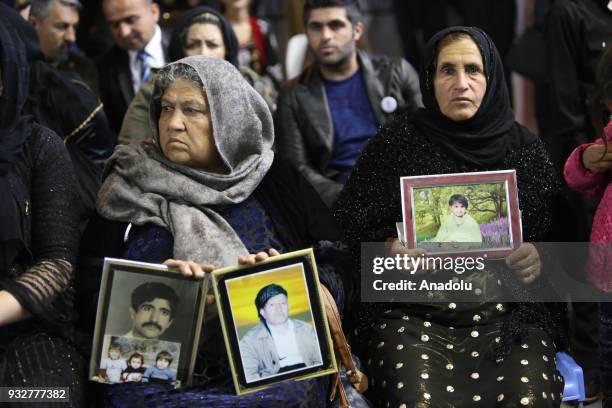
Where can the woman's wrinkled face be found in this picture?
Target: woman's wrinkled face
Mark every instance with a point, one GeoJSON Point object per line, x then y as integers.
{"type": "Point", "coordinates": [185, 129]}
{"type": "Point", "coordinates": [460, 82]}
{"type": "Point", "coordinates": [204, 39]}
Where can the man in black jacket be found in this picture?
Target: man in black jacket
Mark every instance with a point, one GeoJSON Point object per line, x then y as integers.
{"type": "Point", "coordinates": [140, 46]}
{"type": "Point", "coordinates": [331, 111]}
{"type": "Point", "coordinates": [70, 109]}
{"type": "Point", "coordinates": [55, 22]}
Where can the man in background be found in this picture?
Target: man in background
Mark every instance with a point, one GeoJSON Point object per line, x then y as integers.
{"type": "Point", "coordinates": [140, 47]}
{"type": "Point", "coordinates": [55, 22]}
{"type": "Point", "coordinates": [330, 112]}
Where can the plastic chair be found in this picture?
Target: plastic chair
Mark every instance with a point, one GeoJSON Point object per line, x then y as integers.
{"type": "Point", "coordinates": [574, 378]}
{"type": "Point", "coordinates": [296, 52]}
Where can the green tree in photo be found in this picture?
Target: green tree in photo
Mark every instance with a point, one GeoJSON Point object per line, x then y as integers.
{"type": "Point", "coordinates": [487, 202]}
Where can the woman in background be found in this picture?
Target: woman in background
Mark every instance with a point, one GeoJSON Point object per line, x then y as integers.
{"type": "Point", "coordinates": [258, 47]}
{"type": "Point", "coordinates": [200, 31]}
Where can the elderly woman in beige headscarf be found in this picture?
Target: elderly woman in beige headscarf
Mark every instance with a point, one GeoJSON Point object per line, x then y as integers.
{"type": "Point", "coordinates": [206, 191]}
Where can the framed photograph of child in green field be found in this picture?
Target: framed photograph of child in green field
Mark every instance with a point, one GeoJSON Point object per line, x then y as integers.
{"type": "Point", "coordinates": [462, 214]}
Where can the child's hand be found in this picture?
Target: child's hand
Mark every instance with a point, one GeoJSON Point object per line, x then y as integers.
{"type": "Point", "coordinates": [190, 268]}
{"type": "Point", "coordinates": [136, 377]}
{"type": "Point", "coordinates": [252, 259]}
{"type": "Point", "coordinates": [525, 262]}
{"type": "Point", "coordinates": [594, 159]}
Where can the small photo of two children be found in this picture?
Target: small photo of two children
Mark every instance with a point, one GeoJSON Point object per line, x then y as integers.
{"type": "Point", "coordinates": [127, 359]}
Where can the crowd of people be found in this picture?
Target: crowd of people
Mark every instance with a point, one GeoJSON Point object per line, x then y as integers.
{"type": "Point", "coordinates": [183, 144]}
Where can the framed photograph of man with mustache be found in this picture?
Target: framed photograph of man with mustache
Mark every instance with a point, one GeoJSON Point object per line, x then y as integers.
{"type": "Point", "coordinates": [274, 322]}
{"type": "Point", "coordinates": [147, 325]}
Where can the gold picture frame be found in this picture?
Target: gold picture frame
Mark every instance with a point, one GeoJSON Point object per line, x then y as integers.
{"type": "Point", "coordinates": [255, 346]}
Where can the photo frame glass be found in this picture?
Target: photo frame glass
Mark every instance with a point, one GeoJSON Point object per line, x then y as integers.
{"type": "Point", "coordinates": [148, 324]}
{"type": "Point", "coordinates": [459, 214]}
{"type": "Point", "coordinates": [274, 322]}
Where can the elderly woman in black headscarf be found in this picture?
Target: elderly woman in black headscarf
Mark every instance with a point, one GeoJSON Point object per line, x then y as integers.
{"type": "Point", "coordinates": [458, 354]}
{"type": "Point", "coordinates": [200, 31]}
{"type": "Point", "coordinates": [38, 239]}
{"type": "Point", "coordinates": [206, 190]}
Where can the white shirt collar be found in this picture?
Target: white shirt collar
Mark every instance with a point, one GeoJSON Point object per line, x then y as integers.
{"type": "Point", "coordinates": [157, 58]}
{"type": "Point", "coordinates": [286, 345]}
{"type": "Point", "coordinates": [154, 48]}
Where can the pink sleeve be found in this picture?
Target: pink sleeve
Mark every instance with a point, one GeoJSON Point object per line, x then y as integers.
{"type": "Point", "coordinates": [581, 179]}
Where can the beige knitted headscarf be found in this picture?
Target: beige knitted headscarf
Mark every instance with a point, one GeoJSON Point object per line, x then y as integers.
{"type": "Point", "coordinates": [142, 186]}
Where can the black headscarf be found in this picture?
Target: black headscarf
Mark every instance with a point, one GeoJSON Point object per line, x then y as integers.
{"type": "Point", "coordinates": [14, 128]}
{"type": "Point", "coordinates": [485, 138]}
{"type": "Point", "coordinates": [175, 49]}
{"type": "Point", "coordinates": [26, 32]}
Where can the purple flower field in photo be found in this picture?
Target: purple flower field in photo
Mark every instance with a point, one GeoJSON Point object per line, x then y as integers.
{"type": "Point", "coordinates": [495, 233]}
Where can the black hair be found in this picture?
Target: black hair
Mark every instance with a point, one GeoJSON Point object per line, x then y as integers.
{"type": "Point", "coordinates": [155, 290]}
{"type": "Point", "coordinates": [136, 355]}
{"type": "Point", "coordinates": [265, 294]}
{"type": "Point", "coordinates": [458, 198]}
{"type": "Point", "coordinates": [204, 18]}
{"type": "Point", "coordinates": [202, 15]}
{"type": "Point", "coordinates": [353, 11]}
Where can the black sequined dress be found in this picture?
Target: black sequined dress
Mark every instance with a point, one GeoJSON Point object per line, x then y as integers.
{"type": "Point", "coordinates": [450, 354]}
{"type": "Point", "coordinates": [41, 351]}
